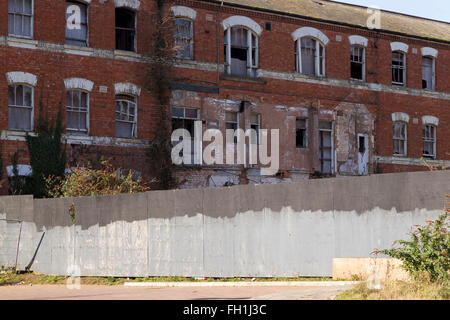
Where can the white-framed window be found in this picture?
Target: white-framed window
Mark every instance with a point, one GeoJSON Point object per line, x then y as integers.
{"type": "Point", "coordinates": [76, 23]}
{"type": "Point", "coordinates": [255, 125]}
{"type": "Point", "coordinates": [20, 107]}
{"type": "Point", "coordinates": [301, 133]}
{"type": "Point", "coordinates": [231, 123]}
{"type": "Point", "coordinates": [398, 68]}
{"type": "Point", "coordinates": [77, 112]}
{"type": "Point", "coordinates": [241, 51]}
{"type": "Point", "coordinates": [183, 34]}
{"type": "Point", "coordinates": [326, 147]}
{"type": "Point", "coordinates": [184, 118]}
{"type": "Point", "coordinates": [20, 18]}
{"type": "Point", "coordinates": [126, 116]}
{"type": "Point", "coordinates": [429, 141]}
{"type": "Point", "coordinates": [400, 138]}
{"type": "Point", "coordinates": [125, 29]}
{"type": "Point", "coordinates": [428, 73]}
{"type": "Point", "coordinates": [357, 62]}
{"type": "Point", "coordinates": [310, 57]}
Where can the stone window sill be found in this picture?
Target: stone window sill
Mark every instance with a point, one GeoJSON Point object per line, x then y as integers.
{"type": "Point", "coordinates": [242, 79]}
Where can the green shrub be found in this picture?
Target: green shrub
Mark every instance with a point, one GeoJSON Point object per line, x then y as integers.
{"type": "Point", "coordinates": [426, 253]}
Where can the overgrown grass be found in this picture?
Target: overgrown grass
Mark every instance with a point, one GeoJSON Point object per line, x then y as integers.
{"type": "Point", "coordinates": [399, 290]}
{"type": "Point", "coordinates": [12, 278]}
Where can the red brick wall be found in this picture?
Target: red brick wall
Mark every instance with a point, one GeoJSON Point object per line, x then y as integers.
{"type": "Point", "coordinates": [276, 53]}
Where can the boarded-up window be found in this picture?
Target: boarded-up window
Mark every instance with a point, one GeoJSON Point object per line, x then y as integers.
{"type": "Point", "coordinates": [183, 36]}
{"type": "Point", "coordinates": [398, 68]}
{"type": "Point", "coordinates": [20, 18]}
{"type": "Point", "coordinates": [76, 23]}
{"type": "Point", "coordinates": [325, 147]}
{"type": "Point", "coordinates": [77, 112]}
{"type": "Point", "coordinates": [20, 108]}
{"type": "Point", "coordinates": [357, 63]}
{"type": "Point", "coordinates": [301, 137]}
{"type": "Point", "coordinates": [126, 116]}
{"type": "Point", "coordinates": [399, 139]}
{"type": "Point", "coordinates": [125, 29]}
{"type": "Point", "coordinates": [427, 73]}
{"type": "Point", "coordinates": [429, 141]}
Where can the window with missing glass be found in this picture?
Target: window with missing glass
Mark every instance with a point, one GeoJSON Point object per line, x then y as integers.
{"type": "Point", "coordinates": [76, 23]}
{"type": "Point", "coordinates": [241, 52]}
{"type": "Point", "coordinates": [428, 78]}
{"type": "Point", "coordinates": [125, 29]}
{"type": "Point", "coordinates": [231, 123]}
{"type": "Point", "coordinates": [310, 57]}
{"type": "Point", "coordinates": [183, 37]}
{"type": "Point", "coordinates": [20, 18]}
{"type": "Point", "coordinates": [77, 112]}
{"type": "Point", "coordinates": [429, 141]}
{"type": "Point", "coordinates": [20, 108]}
{"type": "Point", "coordinates": [301, 133]}
{"type": "Point", "coordinates": [398, 68]}
{"type": "Point", "coordinates": [357, 63]}
{"type": "Point", "coordinates": [399, 138]}
{"type": "Point", "coordinates": [326, 147]}
{"type": "Point", "coordinates": [126, 116]}
{"type": "Point", "coordinates": [255, 125]}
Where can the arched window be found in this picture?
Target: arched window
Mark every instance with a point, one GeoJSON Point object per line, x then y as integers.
{"type": "Point", "coordinates": [241, 46]}
{"type": "Point", "coordinates": [358, 46]}
{"type": "Point", "coordinates": [20, 107]}
{"type": "Point", "coordinates": [126, 116]}
{"type": "Point", "coordinates": [310, 57]}
{"type": "Point", "coordinates": [20, 100]}
{"type": "Point", "coordinates": [429, 56]}
{"type": "Point", "coordinates": [399, 51]}
{"type": "Point", "coordinates": [429, 128]}
{"type": "Point", "coordinates": [183, 32]}
{"type": "Point", "coordinates": [310, 46]}
{"type": "Point", "coordinates": [125, 29]}
{"type": "Point", "coordinates": [77, 105]}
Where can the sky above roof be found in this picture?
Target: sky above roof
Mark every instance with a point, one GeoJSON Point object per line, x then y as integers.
{"type": "Point", "coordinates": [431, 9]}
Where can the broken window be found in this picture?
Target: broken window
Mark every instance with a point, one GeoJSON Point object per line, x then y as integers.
{"type": "Point", "coordinates": [428, 73]}
{"type": "Point", "coordinates": [20, 18]}
{"type": "Point", "coordinates": [231, 123]}
{"type": "Point", "coordinates": [399, 138]}
{"type": "Point", "coordinates": [184, 118]}
{"type": "Point", "coordinates": [126, 116]}
{"type": "Point", "coordinates": [77, 112]}
{"type": "Point", "coordinates": [183, 36]}
{"type": "Point", "coordinates": [76, 23]}
{"type": "Point", "coordinates": [255, 124]}
{"type": "Point", "coordinates": [429, 141]}
{"type": "Point", "coordinates": [20, 108]}
{"type": "Point", "coordinates": [398, 68]}
{"type": "Point", "coordinates": [301, 139]}
{"type": "Point", "coordinates": [325, 147]}
{"type": "Point", "coordinates": [310, 57]}
{"type": "Point", "coordinates": [241, 57]}
{"type": "Point", "coordinates": [125, 29]}
{"type": "Point", "coordinates": [357, 63]}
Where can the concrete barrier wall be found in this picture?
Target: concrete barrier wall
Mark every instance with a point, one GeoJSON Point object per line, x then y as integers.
{"type": "Point", "coordinates": [287, 229]}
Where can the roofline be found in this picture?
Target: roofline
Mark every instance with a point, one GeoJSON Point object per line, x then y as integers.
{"type": "Point", "coordinates": [383, 10]}
{"type": "Point", "coordinates": [333, 22]}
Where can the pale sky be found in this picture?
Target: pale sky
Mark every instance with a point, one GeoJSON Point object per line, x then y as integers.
{"type": "Point", "coordinates": [431, 9]}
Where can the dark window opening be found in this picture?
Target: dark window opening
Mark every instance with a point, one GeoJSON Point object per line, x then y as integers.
{"type": "Point", "coordinates": [301, 136]}
{"type": "Point", "coordinates": [125, 29]}
{"type": "Point", "coordinates": [357, 63]}
{"type": "Point", "coordinates": [362, 144]}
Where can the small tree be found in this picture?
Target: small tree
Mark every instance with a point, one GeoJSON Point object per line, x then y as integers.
{"type": "Point", "coordinates": [47, 154]}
